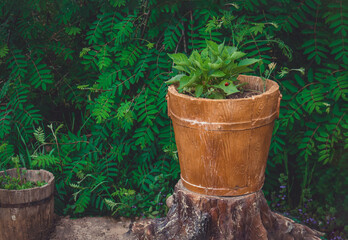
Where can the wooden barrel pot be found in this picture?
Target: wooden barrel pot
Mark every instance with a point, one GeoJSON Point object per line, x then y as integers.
{"type": "Point", "coordinates": [223, 144]}
{"type": "Point", "coordinates": [27, 214]}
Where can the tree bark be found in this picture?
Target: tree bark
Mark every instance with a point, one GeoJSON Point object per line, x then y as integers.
{"type": "Point", "coordinates": [194, 216]}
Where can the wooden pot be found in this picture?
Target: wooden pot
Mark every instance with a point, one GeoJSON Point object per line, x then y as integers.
{"type": "Point", "coordinates": [27, 214]}
{"type": "Point", "coordinates": [223, 144]}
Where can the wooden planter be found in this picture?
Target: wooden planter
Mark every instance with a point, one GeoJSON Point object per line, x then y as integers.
{"type": "Point", "coordinates": [27, 214]}
{"type": "Point", "coordinates": [223, 144]}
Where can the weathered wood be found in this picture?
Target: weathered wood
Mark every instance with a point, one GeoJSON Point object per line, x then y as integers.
{"type": "Point", "coordinates": [194, 216]}
{"type": "Point", "coordinates": [27, 214]}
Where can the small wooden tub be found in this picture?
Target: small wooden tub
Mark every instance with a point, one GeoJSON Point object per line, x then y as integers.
{"type": "Point", "coordinates": [27, 214]}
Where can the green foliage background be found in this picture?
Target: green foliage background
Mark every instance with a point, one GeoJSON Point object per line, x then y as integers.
{"type": "Point", "coordinates": [83, 94]}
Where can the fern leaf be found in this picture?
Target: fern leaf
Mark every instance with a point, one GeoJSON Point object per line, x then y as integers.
{"type": "Point", "coordinates": [172, 35]}
{"type": "Point", "coordinates": [6, 152]}
{"type": "Point", "coordinates": [39, 135]}
{"type": "Point", "coordinates": [104, 60]}
{"type": "Point", "coordinates": [124, 29]}
{"type": "Point", "coordinates": [18, 64]}
{"type": "Point", "coordinates": [130, 55]}
{"type": "Point", "coordinates": [102, 108]}
{"type": "Point", "coordinates": [5, 121]}
{"type": "Point", "coordinates": [95, 33]}
{"type": "Point", "coordinates": [41, 75]}
{"type": "Point", "coordinates": [3, 50]}
{"type": "Point", "coordinates": [117, 3]}
{"type": "Point", "coordinates": [45, 161]}
{"type": "Point", "coordinates": [340, 88]}
{"type": "Point", "coordinates": [82, 201]}
{"type": "Point", "coordinates": [72, 31]}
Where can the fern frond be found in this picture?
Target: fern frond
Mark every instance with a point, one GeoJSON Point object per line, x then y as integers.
{"type": "Point", "coordinates": [72, 31]}
{"type": "Point", "coordinates": [117, 3]}
{"type": "Point", "coordinates": [82, 201]}
{"type": "Point", "coordinates": [109, 77]}
{"type": "Point", "coordinates": [6, 152]}
{"type": "Point", "coordinates": [130, 55]}
{"type": "Point", "coordinates": [18, 64]}
{"type": "Point", "coordinates": [5, 121]}
{"type": "Point", "coordinates": [103, 56]}
{"type": "Point", "coordinates": [124, 29]}
{"type": "Point", "coordinates": [39, 135]}
{"type": "Point", "coordinates": [62, 50]}
{"type": "Point", "coordinates": [339, 87]}
{"type": "Point", "coordinates": [45, 161]}
{"type": "Point", "coordinates": [3, 50]}
{"type": "Point", "coordinates": [27, 115]}
{"type": "Point", "coordinates": [40, 74]}
{"type": "Point", "coordinates": [102, 108]}
{"type": "Point", "coordinates": [172, 35]}
{"type": "Point", "coordinates": [337, 16]}
{"type": "Point", "coordinates": [95, 33]}
{"type": "Point", "coordinates": [4, 90]}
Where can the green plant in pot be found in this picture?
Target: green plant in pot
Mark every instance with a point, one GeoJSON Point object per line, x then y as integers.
{"type": "Point", "coordinates": [212, 73]}
{"type": "Point", "coordinates": [19, 181]}
{"type": "Point", "coordinates": [223, 121]}
{"type": "Point", "coordinates": [26, 203]}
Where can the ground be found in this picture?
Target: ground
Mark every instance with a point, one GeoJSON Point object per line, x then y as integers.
{"type": "Point", "coordinates": [90, 228]}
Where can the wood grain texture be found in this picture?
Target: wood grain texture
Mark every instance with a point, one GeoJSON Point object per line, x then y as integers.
{"type": "Point", "coordinates": [27, 214]}
{"type": "Point", "coordinates": [223, 144]}
{"type": "Point", "coordinates": [194, 216]}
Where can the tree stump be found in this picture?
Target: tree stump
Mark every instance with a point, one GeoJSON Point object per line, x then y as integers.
{"type": "Point", "coordinates": [195, 216]}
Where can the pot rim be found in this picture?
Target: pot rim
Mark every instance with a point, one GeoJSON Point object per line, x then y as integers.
{"type": "Point", "coordinates": [49, 182]}
{"type": "Point", "coordinates": [274, 87]}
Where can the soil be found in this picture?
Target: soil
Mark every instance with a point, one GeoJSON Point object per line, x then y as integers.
{"type": "Point", "coordinates": [91, 228]}
{"type": "Point", "coordinates": [245, 94]}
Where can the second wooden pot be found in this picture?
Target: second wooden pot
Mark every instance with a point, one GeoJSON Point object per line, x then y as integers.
{"type": "Point", "coordinates": [223, 144]}
{"type": "Point", "coordinates": [27, 214]}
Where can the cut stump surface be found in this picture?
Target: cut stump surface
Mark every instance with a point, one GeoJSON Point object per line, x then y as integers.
{"type": "Point", "coordinates": [195, 216]}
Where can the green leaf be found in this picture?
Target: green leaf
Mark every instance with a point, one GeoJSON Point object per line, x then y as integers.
{"type": "Point", "coordinates": [248, 62]}
{"type": "Point", "coordinates": [198, 90]}
{"type": "Point", "coordinates": [184, 81]}
{"type": "Point", "coordinates": [187, 81]}
{"type": "Point", "coordinates": [182, 68]}
{"type": "Point", "coordinates": [234, 71]}
{"type": "Point", "coordinates": [117, 3]}
{"type": "Point", "coordinates": [150, 45]}
{"type": "Point", "coordinates": [231, 50]}
{"type": "Point", "coordinates": [213, 47]}
{"type": "Point", "coordinates": [218, 64]}
{"type": "Point", "coordinates": [216, 95]}
{"type": "Point", "coordinates": [227, 86]}
{"type": "Point", "coordinates": [217, 73]}
{"type": "Point", "coordinates": [175, 79]}
{"type": "Point", "coordinates": [3, 50]}
{"type": "Point", "coordinates": [179, 59]}
{"type": "Point", "coordinates": [72, 30]}
{"type": "Point", "coordinates": [221, 47]}
{"type": "Point", "coordinates": [237, 55]}
{"type": "Point", "coordinates": [195, 56]}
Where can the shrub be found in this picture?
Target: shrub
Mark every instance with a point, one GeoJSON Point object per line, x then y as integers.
{"type": "Point", "coordinates": [83, 94]}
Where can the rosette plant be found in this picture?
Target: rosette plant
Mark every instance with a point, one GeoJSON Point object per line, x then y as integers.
{"type": "Point", "coordinates": [212, 72]}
